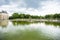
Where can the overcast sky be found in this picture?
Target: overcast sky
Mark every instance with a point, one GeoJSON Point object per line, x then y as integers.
{"type": "Point", "coordinates": [33, 7]}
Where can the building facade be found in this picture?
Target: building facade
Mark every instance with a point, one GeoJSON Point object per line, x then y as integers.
{"type": "Point", "coordinates": [4, 15]}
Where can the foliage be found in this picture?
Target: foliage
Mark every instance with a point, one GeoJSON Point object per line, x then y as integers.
{"type": "Point", "coordinates": [27, 16]}
{"type": "Point", "coordinates": [55, 16]}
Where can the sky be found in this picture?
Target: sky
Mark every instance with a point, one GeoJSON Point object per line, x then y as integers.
{"type": "Point", "coordinates": [32, 7]}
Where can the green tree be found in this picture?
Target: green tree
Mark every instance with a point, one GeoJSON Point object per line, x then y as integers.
{"type": "Point", "coordinates": [15, 15]}
{"type": "Point", "coordinates": [49, 16]}
{"type": "Point", "coordinates": [56, 16]}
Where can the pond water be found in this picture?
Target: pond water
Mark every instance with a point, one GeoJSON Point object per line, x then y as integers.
{"type": "Point", "coordinates": [19, 30]}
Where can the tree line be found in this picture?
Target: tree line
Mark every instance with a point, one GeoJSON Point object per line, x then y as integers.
{"type": "Point", "coordinates": [28, 16]}
{"type": "Point", "coordinates": [54, 16]}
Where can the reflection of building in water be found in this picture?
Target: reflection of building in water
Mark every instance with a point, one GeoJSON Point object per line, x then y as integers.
{"type": "Point", "coordinates": [4, 23]}
{"type": "Point", "coordinates": [3, 15]}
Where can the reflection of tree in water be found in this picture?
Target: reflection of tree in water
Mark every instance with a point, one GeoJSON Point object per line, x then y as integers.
{"type": "Point", "coordinates": [4, 23]}
{"type": "Point", "coordinates": [22, 22]}
{"type": "Point", "coordinates": [53, 23]}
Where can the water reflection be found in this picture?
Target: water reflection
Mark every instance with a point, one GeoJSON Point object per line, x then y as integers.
{"type": "Point", "coordinates": [27, 35]}
{"type": "Point", "coordinates": [23, 22]}
{"type": "Point", "coordinates": [4, 23]}
{"type": "Point", "coordinates": [53, 23]}
{"type": "Point", "coordinates": [18, 30]}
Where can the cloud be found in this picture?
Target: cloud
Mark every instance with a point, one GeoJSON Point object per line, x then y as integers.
{"type": "Point", "coordinates": [50, 7]}
{"type": "Point", "coordinates": [2, 2]}
{"type": "Point", "coordinates": [13, 6]}
{"type": "Point", "coordinates": [33, 7]}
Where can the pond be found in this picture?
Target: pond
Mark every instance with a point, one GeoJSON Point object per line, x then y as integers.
{"type": "Point", "coordinates": [22, 30]}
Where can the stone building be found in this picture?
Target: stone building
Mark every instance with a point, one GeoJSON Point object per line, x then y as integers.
{"type": "Point", "coordinates": [3, 15]}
